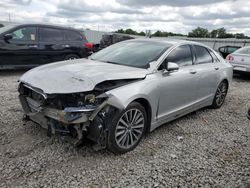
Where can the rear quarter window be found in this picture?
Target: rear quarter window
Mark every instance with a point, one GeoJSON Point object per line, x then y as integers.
{"type": "Point", "coordinates": [73, 36]}
{"type": "Point", "coordinates": [50, 34]}
{"type": "Point", "coordinates": [215, 58]}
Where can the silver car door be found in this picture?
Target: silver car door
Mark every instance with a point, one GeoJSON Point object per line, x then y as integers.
{"type": "Point", "coordinates": [178, 88]}
{"type": "Point", "coordinates": [208, 70]}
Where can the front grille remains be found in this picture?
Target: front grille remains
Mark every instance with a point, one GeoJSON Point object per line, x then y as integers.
{"type": "Point", "coordinates": [31, 99]}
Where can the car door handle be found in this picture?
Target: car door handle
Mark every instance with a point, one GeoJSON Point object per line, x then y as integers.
{"type": "Point", "coordinates": [192, 71]}
{"type": "Point", "coordinates": [33, 46]}
{"type": "Point", "coordinates": [216, 68]}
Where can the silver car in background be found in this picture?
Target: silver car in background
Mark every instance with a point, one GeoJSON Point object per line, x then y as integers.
{"type": "Point", "coordinates": [240, 59]}
{"type": "Point", "coordinates": [125, 90]}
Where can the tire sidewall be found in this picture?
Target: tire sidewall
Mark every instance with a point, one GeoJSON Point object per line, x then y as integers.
{"type": "Point", "coordinates": [112, 145]}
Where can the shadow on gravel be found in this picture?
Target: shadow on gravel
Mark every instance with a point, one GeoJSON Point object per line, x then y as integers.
{"type": "Point", "coordinates": [13, 72]}
{"type": "Point", "coordinates": [241, 76]}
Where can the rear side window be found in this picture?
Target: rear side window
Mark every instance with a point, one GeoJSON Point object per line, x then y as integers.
{"type": "Point", "coordinates": [73, 36]}
{"type": "Point", "coordinates": [202, 55]}
{"type": "Point", "coordinates": [50, 34]}
{"type": "Point", "coordinates": [181, 55]}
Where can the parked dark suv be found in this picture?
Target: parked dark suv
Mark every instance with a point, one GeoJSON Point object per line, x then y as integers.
{"type": "Point", "coordinates": [30, 45]}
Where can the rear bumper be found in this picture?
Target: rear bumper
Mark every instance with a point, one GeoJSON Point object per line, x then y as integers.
{"type": "Point", "coordinates": [241, 68]}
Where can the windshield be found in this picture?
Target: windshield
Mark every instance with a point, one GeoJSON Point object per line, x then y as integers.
{"type": "Point", "coordinates": [132, 53]}
{"type": "Point", "coordinates": [6, 28]}
{"type": "Point", "coordinates": [245, 50]}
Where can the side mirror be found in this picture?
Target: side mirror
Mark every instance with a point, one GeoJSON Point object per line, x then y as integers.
{"type": "Point", "coordinates": [8, 36]}
{"type": "Point", "coordinates": [172, 66]}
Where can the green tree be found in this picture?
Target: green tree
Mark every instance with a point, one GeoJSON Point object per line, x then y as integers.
{"type": "Point", "coordinates": [142, 33]}
{"type": "Point", "coordinates": [119, 31]}
{"type": "Point", "coordinates": [158, 34]}
{"type": "Point", "coordinates": [240, 36]}
{"type": "Point", "coordinates": [199, 32]}
{"type": "Point", "coordinates": [130, 31]}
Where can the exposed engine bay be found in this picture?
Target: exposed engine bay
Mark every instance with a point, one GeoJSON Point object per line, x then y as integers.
{"type": "Point", "coordinates": [78, 115]}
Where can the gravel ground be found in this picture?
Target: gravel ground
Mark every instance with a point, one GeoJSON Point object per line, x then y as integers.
{"type": "Point", "coordinates": [208, 148]}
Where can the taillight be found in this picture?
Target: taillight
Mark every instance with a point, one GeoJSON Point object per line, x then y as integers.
{"type": "Point", "coordinates": [230, 58]}
{"type": "Point", "coordinates": [89, 45]}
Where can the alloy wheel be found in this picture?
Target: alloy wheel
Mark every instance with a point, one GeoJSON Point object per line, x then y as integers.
{"type": "Point", "coordinates": [129, 128]}
{"type": "Point", "coordinates": [221, 94]}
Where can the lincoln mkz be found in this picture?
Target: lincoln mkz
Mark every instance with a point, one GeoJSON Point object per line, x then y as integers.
{"type": "Point", "coordinates": [124, 91]}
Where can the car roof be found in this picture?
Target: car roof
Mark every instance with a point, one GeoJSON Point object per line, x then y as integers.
{"type": "Point", "coordinates": [45, 25]}
{"type": "Point", "coordinates": [169, 41]}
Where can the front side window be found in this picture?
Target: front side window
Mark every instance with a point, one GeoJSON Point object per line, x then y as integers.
{"type": "Point", "coordinates": [202, 55]}
{"type": "Point", "coordinates": [181, 55]}
{"type": "Point", "coordinates": [50, 34]}
{"type": "Point", "coordinates": [24, 34]}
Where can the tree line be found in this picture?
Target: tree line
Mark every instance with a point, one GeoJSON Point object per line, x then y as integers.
{"type": "Point", "coordinates": [198, 32]}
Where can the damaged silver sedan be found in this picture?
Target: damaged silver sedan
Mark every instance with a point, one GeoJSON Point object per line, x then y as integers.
{"type": "Point", "coordinates": [123, 91]}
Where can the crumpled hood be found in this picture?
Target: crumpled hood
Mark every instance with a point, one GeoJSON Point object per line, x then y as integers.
{"type": "Point", "coordinates": [77, 75]}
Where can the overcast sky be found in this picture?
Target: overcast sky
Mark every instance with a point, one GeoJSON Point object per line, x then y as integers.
{"type": "Point", "coordinates": [167, 15]}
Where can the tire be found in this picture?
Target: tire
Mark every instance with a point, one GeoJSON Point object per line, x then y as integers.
{"type": "Point", "coordinates": [220, 95]}
{"type": "Point", "coordinates": [124, 136]}
{"type": "Point", "coordinates": [71, 57]}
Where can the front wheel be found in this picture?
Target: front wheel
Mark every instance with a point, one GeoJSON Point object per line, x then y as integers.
{"type": "Point", "coordinates": [127, 128]}
{"type": "Point", "coordinates": [220, 94]}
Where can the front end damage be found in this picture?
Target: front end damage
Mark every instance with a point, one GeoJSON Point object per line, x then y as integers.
{"type": "Point", "coordinates": [79, 115]}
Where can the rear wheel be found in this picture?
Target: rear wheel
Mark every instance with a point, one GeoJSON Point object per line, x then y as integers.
{"type": "Point", "coordinates": [71, 57]}
{"type": "Point", "coordinates": [220, 94]}
{"type": "Point", "coordinates": [127, 128]}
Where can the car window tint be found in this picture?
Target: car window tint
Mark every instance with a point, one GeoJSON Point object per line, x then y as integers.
{"type": "Point", "coordinates": [24, 34]}
{"type": "Point", "coordinates": [73, 36]}
{"type": "Point", "coordinates": [231, 49]}
{"type": "Point", "coordinates": [202, 55]}
{"type": "Point", "coordinates": [181, 55]}
{"type": "Point", "coordinates": [50, 34]}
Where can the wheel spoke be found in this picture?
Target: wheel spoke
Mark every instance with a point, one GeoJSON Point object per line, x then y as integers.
{"type": "Point", "coordinates": [126, 117]}
{"type": "Point", "coordinates": [137, 131]}
{"type": "Point", "coordinates": [139, 120]}
{"type": "Point", "coordinates": [131, 138]}
{"type": "Point", "coordinates": [120, 133]}
{"type": "Point", "coordinates": [138, 126]}
{"type": "Point", "coordinates": [123, 122]}
{"type": "Point", "coordinates": [135, 115]}
{"type": "Point", "coordinates": [121, 138]}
